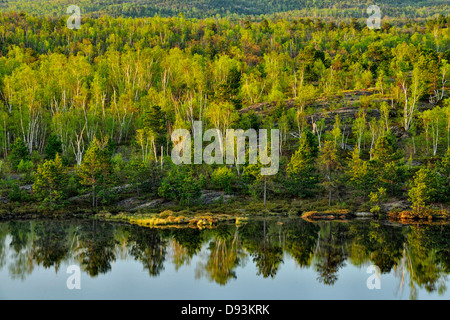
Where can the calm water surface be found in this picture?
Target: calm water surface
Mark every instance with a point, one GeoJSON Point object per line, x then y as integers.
{"type": "Point", "coordinates": [263, 259]}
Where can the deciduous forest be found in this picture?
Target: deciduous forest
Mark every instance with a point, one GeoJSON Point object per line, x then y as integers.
{"type": "Point", "coordinates": [86, 115]}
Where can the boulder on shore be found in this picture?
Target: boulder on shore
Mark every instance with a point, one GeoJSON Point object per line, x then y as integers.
{"type": "Point", "coordinates": [364, 214]}
{"type": "Point", "coordinates": [399, 205]}
{"type": "Point", "coordinates": [210, 196]}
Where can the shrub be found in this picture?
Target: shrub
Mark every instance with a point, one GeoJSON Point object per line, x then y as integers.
{"type": "Point", "coordinates": [223, 178]}
{"type": "Point", "coordinates": [26, 167]}
{"type": "Point", "coordinates": [19, 151]}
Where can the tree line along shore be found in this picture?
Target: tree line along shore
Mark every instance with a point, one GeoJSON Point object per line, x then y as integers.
{"type": "Point", "coordinates": [86, 115]}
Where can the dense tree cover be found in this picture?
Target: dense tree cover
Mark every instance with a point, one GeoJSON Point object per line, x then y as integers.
{"type": "Point", "coordinates": [330, 87]}
{"type": "Point", "coordinates": [236, 8]}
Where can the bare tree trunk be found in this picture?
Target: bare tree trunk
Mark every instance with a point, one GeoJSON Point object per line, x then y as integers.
{"type": "Point", "coordinates": [162, 153]}
{"type": "Point", "coordinates": [265, 191]}
{"type": "Point", "coordinates": [329, 198]}
{"type": "Point", "coordinates": [93, 196]}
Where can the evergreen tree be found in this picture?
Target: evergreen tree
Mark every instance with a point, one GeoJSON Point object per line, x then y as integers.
{"type": "Point", "coordinates": [329, 162]}
{"type": "Point", "coordinates": [155, 119]}
{"type": "Point", "coordinates": [19, 152]}
{"type": "Point", "coordinates": [95, 171]}
{"type": "Point", "coordinates": [181, 184]}
{"type": "Point", "coordinates": [50, 182]}
{"type": "Point", "coordinates": [228, 91]}
{"type": "Point", "coordinates": [445, 173]}
{"type": "Point", "coordinates": [301, 170]}
{"type": "Point", "coordinates": [223, 178]}
{"type": "Point", "coordinates": [419, 190]}
{"type": "Point", "coordinates": [388, 165]}
{"type": "Point", "coordinates": [53, 147]}
{"type": "Point", "coordinates": [360, 175]}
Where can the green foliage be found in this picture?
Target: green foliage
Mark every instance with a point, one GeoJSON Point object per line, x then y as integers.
{"type": "Point", "coordinates": [155, 119]}
{"type": "Point", "coordinates": [17, 195]}
{"type": "Point", "coordinates": [229, 89]}
{"type": "Point", "coordinates": [301, 170]}
{"type": "Point", "coordinates": [136, 172]}
{"type": "Point", "coordinates": [50, 183]}
{"type": "Point", "coordinates": [329, 163]}
{"type": "Point", "coordinates": [427, 186]}
{"type": "Point", "coordinates": [95, 171]}
{"type": "Point", "coordinates": [232, 8]}
{"type": "Point", "coordinates": [223, 178]}
{"type": "Point", "coordinates": [19, 152]}
{"type": "Point", "coordinates": [5, 169]}
{"type": "Point", "coordinates": [376, 199]}
{"type": "Point", "coordinates": [388, 165]}
{"type": "Point", "coordinates": [53, 147]}
{"type": "Point", "coordinates": [27, 169]}
{"type": "Point", "coordinates": [420, 190]}
{"type": "Point", "coordinates": [180, 184]}
{"type": "Point", "coordinates": [385, 150]}
{"type": "Point", "coordinates": [61, 88]}
{"type": "Point", "coordinates": [361, 177]}
{"type": "Point", "coordinates": [14, 192]}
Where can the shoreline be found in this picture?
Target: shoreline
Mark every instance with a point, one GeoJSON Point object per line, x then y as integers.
{"type": "Point", "coordinates": [210, 215]}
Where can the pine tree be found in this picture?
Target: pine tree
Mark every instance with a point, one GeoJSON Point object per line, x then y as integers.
{"type": "Point", "coordinates": [19, 151]}
{"type": "Point", "coordinates": [223, 178]}
{"type": "Point", "coordinates": [95, 170]}
{"type": "Point", "coordinates": [359, 174]}
{"type": "Point", "coordinates": [388, 165]}
{"type": "Point", "coordinates": [302, 173]}
{"type": "Point", "coordinates": [50, 182]}
{"type": "Point", "coordinates": [419, 191]}
{"type": "Point", "coordinates": [445, 172]}
{"type": "Point", "coordinates": [329, 163]}
{"type": "Point", "coordinates": [180, 184]}
{"type": "Point", "coordinates": [155, 119]}
{"type": "Point", "coordinates": [53, 147]}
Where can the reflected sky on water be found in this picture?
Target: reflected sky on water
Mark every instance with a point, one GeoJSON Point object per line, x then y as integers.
{"type": "Point", "coordinates": [263, 259]}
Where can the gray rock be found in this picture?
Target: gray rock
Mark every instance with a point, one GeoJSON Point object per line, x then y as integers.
{"type": "Point", "coordinates": [151, 204]}
{"type": "Point", "coordinates": [120, 189]}
{"type": "Point", "coordinates": [81, 198]}
{"type": "Point", "coordinates": [364, 214]}
{"type": "Point", "coordinates": [210, 196]}
{"type": "Point", "coordinates": [130, 203]}
{"type": "Point", "coordinates": [28, 187]}
{"type": "Point", "coordinates": [401, 204]}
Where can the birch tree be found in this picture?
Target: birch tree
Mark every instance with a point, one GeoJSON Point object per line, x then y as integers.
{"type": "Point", "coordinates": [412, 91]}
{"type": "Point", "coordinates": [359, 128]}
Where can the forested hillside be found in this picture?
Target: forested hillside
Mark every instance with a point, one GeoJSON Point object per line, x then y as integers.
{"type": "Point", "coordinates": [208, 8]}
{"type": "Point", "coordinates": [364, 114]}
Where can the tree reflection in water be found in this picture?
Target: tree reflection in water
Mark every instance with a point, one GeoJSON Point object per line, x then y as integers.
{"type": "Point", "coordinates": [185, 244]}
{"type": "Point", "coordinates": [266, 250]}
{"type": "Point", "coordinates": [95, 250]}
{"type": "Point", "coordinates": [419, 256]}
{"type": "Point", "coordinates": [424, 263]}
{"type": "Point", "coordinates": [225, 254]}
{"type": "Point", "coordinates": [149, 247]}
{"type": "Point", "coordinates": [330, 254]}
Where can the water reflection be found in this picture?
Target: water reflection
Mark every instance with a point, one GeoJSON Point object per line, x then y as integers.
{"type": "Point", "coordinates": [418, 256]}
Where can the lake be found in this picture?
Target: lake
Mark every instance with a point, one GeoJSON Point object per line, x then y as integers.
{"type": "Point", "coordinates": [271, 259]}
